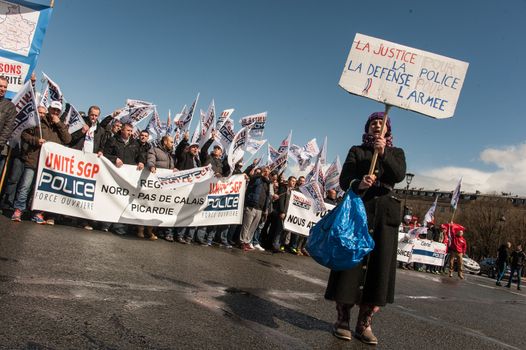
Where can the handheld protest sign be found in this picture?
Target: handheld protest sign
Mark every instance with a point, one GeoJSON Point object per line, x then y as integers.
{"type": "Point", "coordinates": [402, 76]}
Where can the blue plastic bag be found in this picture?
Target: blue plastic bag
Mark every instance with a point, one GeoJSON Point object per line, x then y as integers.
{"type": "Point", "coordinates": [340, 240]}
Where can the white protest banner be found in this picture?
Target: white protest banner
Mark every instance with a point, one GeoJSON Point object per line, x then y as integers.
{"type": "Point", "coordinates": [51, 93]}
{"type": "Point", "coordinates": [313, 191]}
{"type": "Point", "coordinates": [73, 120]}
{"type": "Point", "coordinates": [273, 153]}
{"type": "Point", "coordinates": [134, 115]}
{"type": "Point", "coordinates": [223, 117]}
{"type": "Point", "coordinates": [226, 134]}
{"type": "Point", "coordinates": [186, 119]}
{"type": "Point", "coordinates": [405, 248]}
{"type": "Point", "coordinates": [236, 150]}
{"type": "Point", "coordinates": [428, 252]}
{"type": "Point", "coordinates": [402, 76]}
{"type": "Point", "coordinates": [404, 252]}
{"type": "Point", "coordinates": [257, 121]}
{"type": "Point", "coordinates": [26, 113]}
{"type": "Point", "coordinates": [185, 177]}
{"type": "Point", "coordinates": [301, 216]}
{"type": "Point", "coordinates": [280, 163]}
{"type": "Point", "coordinates": [332, 175]}
{"type": "Point", "coordinates": [207, 124]}
{"type": "Point", "coordinates": [79, 184]}
{"type": "Point", "coordinates": [137, 103]}
{"type": "Point", "coordinates": [253, 146]}
{"type": "Point", "coordinates": [23, 26]}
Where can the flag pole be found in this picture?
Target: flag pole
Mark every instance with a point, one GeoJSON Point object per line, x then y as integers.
{"type": "Point", "coordinates": [375, 155]}
{"type": "Point", "coordinates": [4, 170]}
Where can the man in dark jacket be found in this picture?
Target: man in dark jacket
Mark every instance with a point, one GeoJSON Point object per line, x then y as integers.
{"type": "Point", "coordinates": [331, 197]}
{"type": "Point", "coordinates": [144, 145]}
{"type": "Point", "coordinates": [502, 261]}
{"type": "Point", "coordinates": [221, 169]}
{"type": "Point", "coordinates": [53, 130]}
{"type": "Point", "coordinates": [91, 136]}
{"type": "Point", "coordinates": [123, 149]}
{"type": "Point", "coordinates": [7, 119]}
{"type": "Point", "coordinates": [219, 164]}
{"type": "Point", "coordinates": [188, 157]}
{"type": "Point", "coordinates": [257, 200]}
{"type": "Point", "coordinates": [187, 154]}
{"type": "Point", "coordinates": [279, 213]}
{"type": "Point", "coordinates": [517, 257]}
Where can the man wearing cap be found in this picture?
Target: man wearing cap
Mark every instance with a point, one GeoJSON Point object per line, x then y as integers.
{"type": "Point", "coordinates": [221, 169]}
{"type": "Point", "coordinates": [7, 119]}
{"type": "Point", "coordinates": [51, 129]}
{"type": "Point", "coordinates": [187, 156]}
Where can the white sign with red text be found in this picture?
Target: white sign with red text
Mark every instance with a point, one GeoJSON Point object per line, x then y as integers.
{"type": "Point", "coordinates": [402, 76]}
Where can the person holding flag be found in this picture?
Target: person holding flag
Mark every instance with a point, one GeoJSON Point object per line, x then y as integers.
{"type": "Point", "coordinates": [51, 129]}
{"type": "Point", "coordinates": [370, 284]}
{"type": "Point", "coordinates": [457, 249]}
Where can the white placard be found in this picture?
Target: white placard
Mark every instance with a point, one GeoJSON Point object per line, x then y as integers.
{"type": "Point", "coordinates": [402, 76]}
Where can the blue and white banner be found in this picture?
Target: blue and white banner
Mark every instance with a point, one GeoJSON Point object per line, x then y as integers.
{"type": "Point", "coordinates": [79, 184]}
{"type": "Point", "coordinates": [22, 29]}
{"type": "Point", "coordinates": [411, 249]}
{"type": "Point", "coordinates": [428, 252]}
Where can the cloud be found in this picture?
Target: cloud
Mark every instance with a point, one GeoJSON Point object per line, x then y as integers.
{"type": "Point", "coordinates": [510, 163]}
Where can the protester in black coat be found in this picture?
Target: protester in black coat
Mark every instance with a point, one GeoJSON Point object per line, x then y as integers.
{"type": "Point", "coordinates": [378, 277]}
{"type": "Point", "coordinates": [78, 137]}
{"type": "Point", "coordinates": [187, 154]}
{"type": "Point", "coordinates": [123, 149]}
{"type": "Point", "coordinates": [220, 165]}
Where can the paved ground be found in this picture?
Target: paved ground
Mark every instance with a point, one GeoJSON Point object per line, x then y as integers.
{"type": "Point", "coordinates": [63, 287]}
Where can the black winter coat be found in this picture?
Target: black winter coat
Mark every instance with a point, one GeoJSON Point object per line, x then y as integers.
{"type": "Point", "coordinates": [129, 153]}
{"type": "Point", "coordinates": [78, 137]}
{"type": "Point", "coordinates": [185, 160]}
{"type": "Point", "coordinates": [384, 217]}
{"type": "Point", "coordinates": [257, 194]}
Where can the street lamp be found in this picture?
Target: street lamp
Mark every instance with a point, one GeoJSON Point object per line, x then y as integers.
{"type": "Point", "coordinates": [501, 222]}
{"type": "Point", "coordinates": [408, 179]}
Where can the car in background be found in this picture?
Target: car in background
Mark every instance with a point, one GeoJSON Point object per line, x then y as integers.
{"type": "Point", "coordinates": [470, 265]}
{"type": "Point", "coordinates": [488, 267]}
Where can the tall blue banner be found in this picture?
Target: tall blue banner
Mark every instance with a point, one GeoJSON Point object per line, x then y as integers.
{"type": "Point", "coordinates": [23, 26]}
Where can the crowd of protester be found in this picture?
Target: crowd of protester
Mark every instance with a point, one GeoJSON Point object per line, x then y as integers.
{"type": "Point", "coordinates": [266, 199]}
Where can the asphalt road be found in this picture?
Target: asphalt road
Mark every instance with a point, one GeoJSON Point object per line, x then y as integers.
{"type": "Point", "coordinates": [68, 288]}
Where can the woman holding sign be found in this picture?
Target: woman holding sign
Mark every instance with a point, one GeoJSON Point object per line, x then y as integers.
{"type": "Point", "coordinates": [370, 284]}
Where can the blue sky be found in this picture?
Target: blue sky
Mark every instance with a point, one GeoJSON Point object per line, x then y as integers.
{"type": "Point", "coordinates": [286, 57]}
